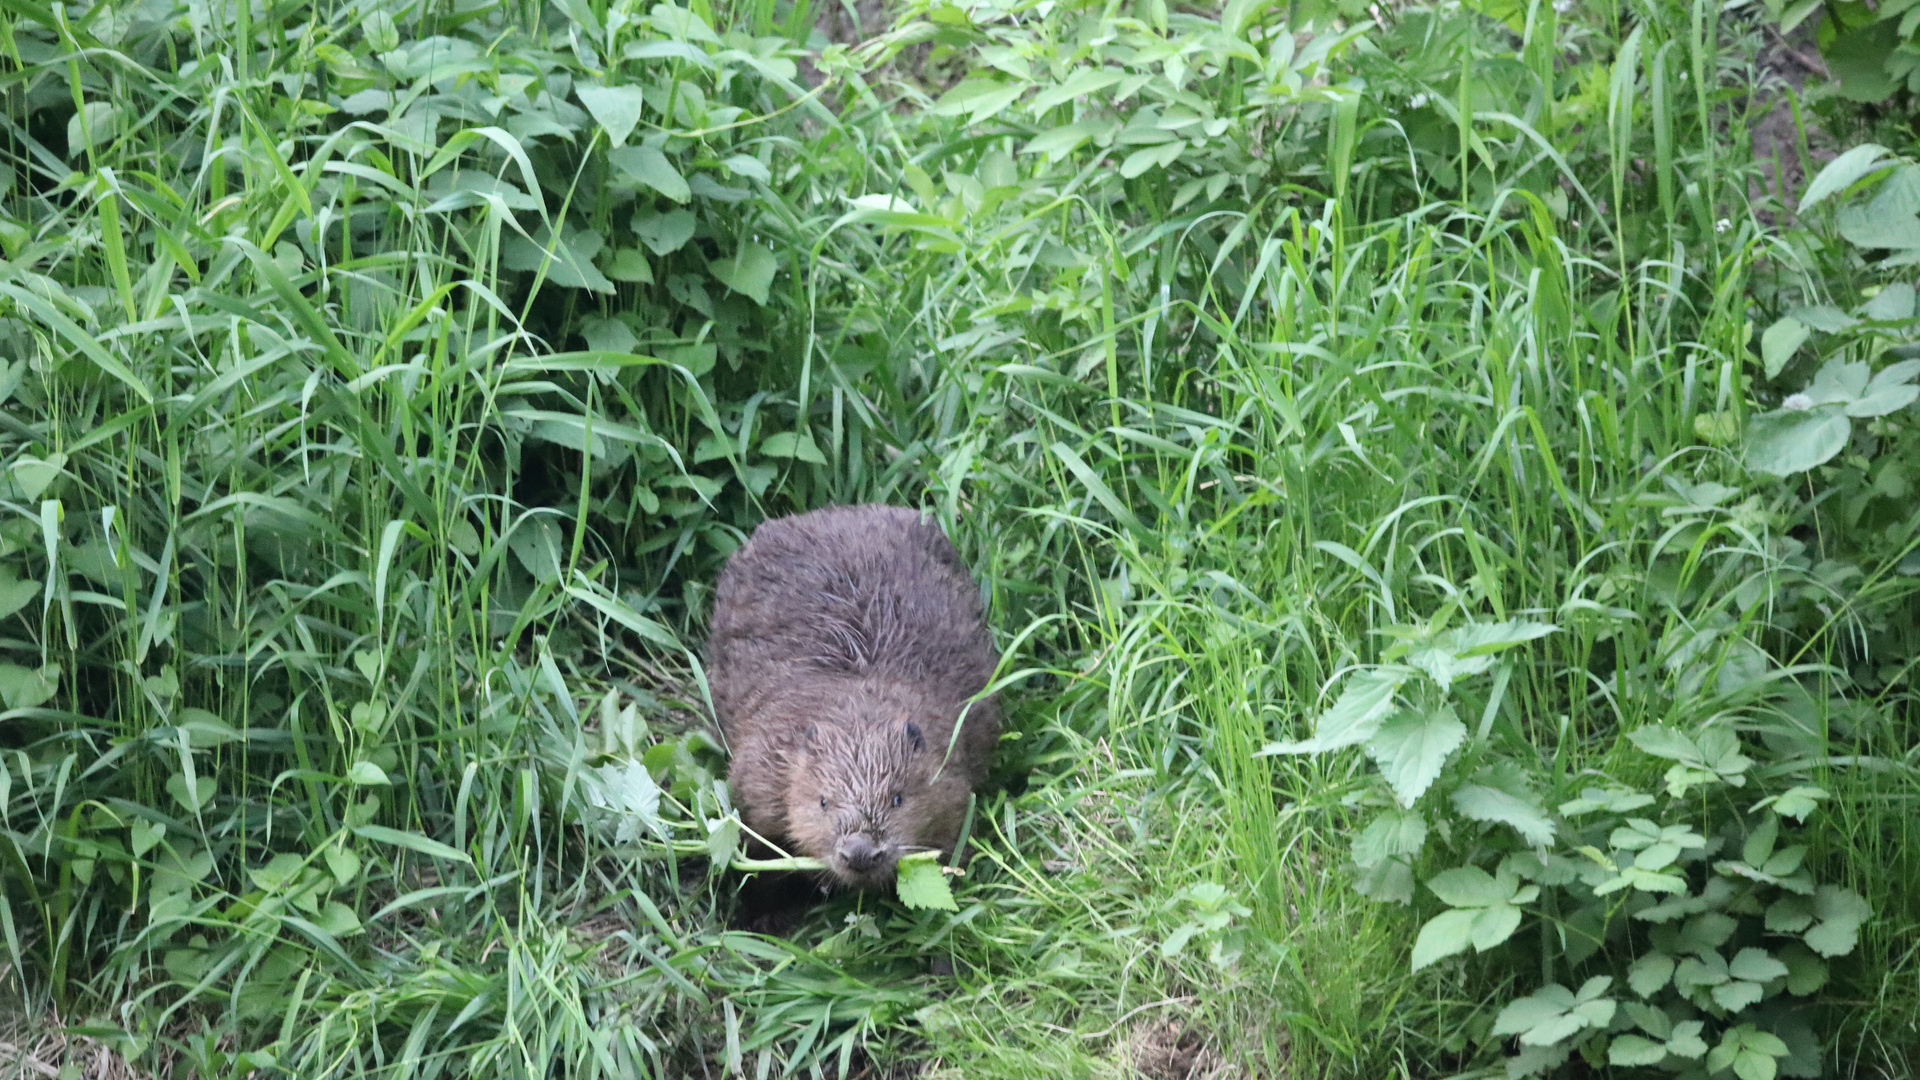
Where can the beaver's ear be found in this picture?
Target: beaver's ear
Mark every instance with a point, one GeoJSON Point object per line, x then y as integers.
{"type": "Point", "coordinates": [918, 740]}
{"type": "Point", "coordinates": [812, 734]}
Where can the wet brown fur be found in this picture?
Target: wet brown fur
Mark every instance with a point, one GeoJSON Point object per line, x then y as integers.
{"type": "Point", "coordinates": [845, 644]}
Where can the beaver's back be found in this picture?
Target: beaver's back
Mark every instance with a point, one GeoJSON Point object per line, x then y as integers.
{"type": "Point", "coordinates": [867, 592]}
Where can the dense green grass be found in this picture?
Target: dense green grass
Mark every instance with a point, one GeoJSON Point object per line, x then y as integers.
{"type": "Point", "coordinates": [358, 536]}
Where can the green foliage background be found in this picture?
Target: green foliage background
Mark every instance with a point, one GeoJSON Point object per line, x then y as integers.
{"type": "Point", "coordinates": [1454, 545]}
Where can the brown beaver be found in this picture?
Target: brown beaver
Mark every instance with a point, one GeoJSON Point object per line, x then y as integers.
{"type": "Point", "coordinates": [845, 644]}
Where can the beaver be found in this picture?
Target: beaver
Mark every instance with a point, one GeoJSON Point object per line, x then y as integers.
{"type": "Point", "coordinates": [846, 644]}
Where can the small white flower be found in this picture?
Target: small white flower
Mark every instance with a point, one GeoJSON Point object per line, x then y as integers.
{"type": "Point", "coordinates": [1797, 403]}
{"type": "Point", "coordinates": [1417, 100]}
{"type": "Point", "coordinates": [1722, 225]}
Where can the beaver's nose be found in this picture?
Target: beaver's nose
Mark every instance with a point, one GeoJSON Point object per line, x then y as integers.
{"type": "Point", "coordinates": [858, 853]}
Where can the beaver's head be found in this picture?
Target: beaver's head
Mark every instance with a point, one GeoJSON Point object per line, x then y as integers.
{"type": "Point", "coordinates": [866, 790]}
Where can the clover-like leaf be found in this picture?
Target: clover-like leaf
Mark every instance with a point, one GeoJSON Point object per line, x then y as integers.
{"type": "Point", "coordinates": [922, 884]}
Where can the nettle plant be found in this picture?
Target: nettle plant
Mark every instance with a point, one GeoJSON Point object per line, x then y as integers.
{"type": "Point", "coordinates": [1678, 929]}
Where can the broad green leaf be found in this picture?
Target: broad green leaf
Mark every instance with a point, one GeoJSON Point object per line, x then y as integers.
{"type": "Point", "coordinates": [1842, 173]}
{"type": "Point", "coordinates": [1494, 925]}
{"type": "Point", "coordinates": [343, 864]}
{"type": "Point", "coordinates": [1411, 747]}
{"type": "Point", "coordinates": [1153, 157]}
{"type": "Point", "coordinates": [631, 265]}
{"type": "Point", "coordinates": [338, 919]}
{"type": "Point", "coordinates": [367, 774]}
{"type": "Point", "coordinates": [1482, 803]}
{"type": "Point", "coordinates": [1871, 226]}
{"type": "Point", "coordinates": [1650, 973]}
{"type": "Point", "coordinates": [788, 444]}
{"type": "Point", "coordinates": [1806, 973]}
{"type": "Point", "coordinates": [1895, 301]}
{"type": "Point", "coordinates": [1058, 142]}
{"type": "Point", "coordinates": [651, 167]}
{"type": "Point", "coordinates": [1635, 1050]}
{"type": "Point", "coordinates": [1469, 887]}
{"type": "Point", "coordinates": [568, 262]}
{"type": "Point", "coordinates": [1527, 1013]}
{"type": "Point", "coordinates": [145, 834]}
{"type": "Point", "coordinates": [1780, 342]}
{"type": "Point", "coordinates": [1444, 935]}
{"type": "Point", "coordinates": [95, 124]}
{"type": "Point", "coordinates": [28, 688]}
{"type": "Point", "coordinates": [921, 883]}
{"type": "Point", "coordinates": [665, 233]}
{"type": "Point", "coordinates": [1393, 834]}
{"type": "Point", "coordinates": [1081, 83]}
{"type": "Point", "coordinates": [749, 273]}
{"type": "Point", "coordinates": [191, 800]}
{"type": "Point", "coordinates": [1365, 702]}
{"type": "Point", "coordinates": [280, 871]}
{"type": "Point", "coordinates": [1790, 441]}
{"type": "Point", "coordinates": [15, 594]}
{"type": "Point", "coordinates": [1736, 994]}
{"type": "Point", "coordinates": [1755, 965]}
{"type": "Point", "coordinates": [1484, 639]}
{"type": "Point", "coordinates": [1686, 1041]}
{"type": "Point", "coordinates": [1664, 742]}
{"type": "Point", "coordinates": [615, 108]}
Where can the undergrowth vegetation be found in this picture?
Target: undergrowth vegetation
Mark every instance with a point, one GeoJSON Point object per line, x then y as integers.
{"type": "Point", "coordinates": [1452, 538]}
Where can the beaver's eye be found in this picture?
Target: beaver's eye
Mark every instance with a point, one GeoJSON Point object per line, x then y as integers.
{"type": "Point", "coordinates": [823, 803]}
{"type": "Point", "coordinates": [896, 800]}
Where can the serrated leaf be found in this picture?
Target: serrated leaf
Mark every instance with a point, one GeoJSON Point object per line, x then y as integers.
{"type": "Point", "coordinates": [1664, 742]}
{"type": "Point", "coordinates": [1552, 1031]}
{"type": "Point", "coordinates": [1759, 843]}
{"type": "Point", "coordinates": [1756, 965]}
{"type": "Point", "coordinates": [1806, 973]}
{"type": "Point", "coordinates": [1634, 1050]}
{"type": "Point", "coordinates": [1650, 974]}
{"type": "Point", "coordinates": [1482, 803]}
{"type": "Point", "coordinates": [1444, 935]}
{"type": "Point", "coordinates": [1354, 717]}
{"type": "Point", "coordinates": [1686, 1041]}
{"type": "Point", "coordinates": [1736, 994]}
{"type": "Point", "coordinates": [1393, 833]}
{"type": "Point", "coordinates": [1468, 887]}
{"type": "Point", "coordinates": [1411, 747]}
{"type": "Point", "coordinates": [1790, 914]}
{"type": "Point", "coordinates": [1494, 925]}
{"type": "Point", "coordinates": [1832, 939]}
{"type": "Point", "coordinates": [1780, 342]}
{"type": "Point", "coordinates": [1524, 1014]}
{"type": "Point", "coordinates": [1485, 639]}
{"type": "Point", "coordinates": [921, 884]}
{"type": "Point", "coordinates": [1389, 882]}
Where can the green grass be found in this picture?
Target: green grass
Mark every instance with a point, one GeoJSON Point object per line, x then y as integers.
{"type": "Point", "coordinates": [357, 537]}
